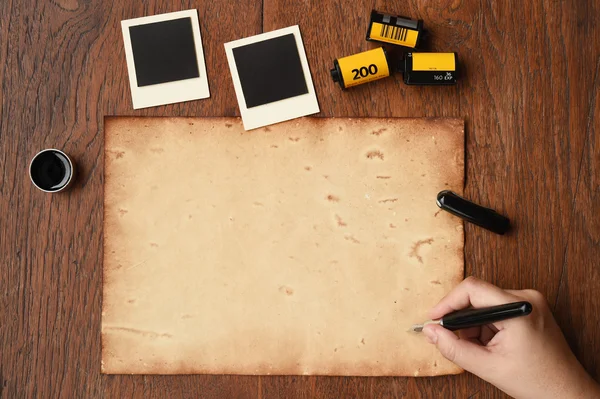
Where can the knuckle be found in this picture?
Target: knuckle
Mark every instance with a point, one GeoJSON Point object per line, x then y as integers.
{"type": "Point", "coordinates": [472, 281]}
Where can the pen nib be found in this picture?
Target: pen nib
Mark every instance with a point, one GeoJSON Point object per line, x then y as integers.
{"type": "Point", "coordinates": [419, 327]}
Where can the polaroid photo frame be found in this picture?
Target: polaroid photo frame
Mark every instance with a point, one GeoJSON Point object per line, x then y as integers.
{"type": "Point", "coordinates": [151, 44]}
{"type": "Point", "coordinates": [271, 77]}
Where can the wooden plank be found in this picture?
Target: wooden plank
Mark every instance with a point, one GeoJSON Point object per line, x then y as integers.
{"type": "Point", "coordinates": [530, 144]}
{"type": "Point", "coordinates": [576, 305]}
{"type": "Point", "coordinates": [63, 71]}
{"type": "Point", "coordinates": [336, 31]}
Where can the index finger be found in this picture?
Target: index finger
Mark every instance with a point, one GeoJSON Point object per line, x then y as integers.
{"type": "Point", "coordinates": [471, 292]}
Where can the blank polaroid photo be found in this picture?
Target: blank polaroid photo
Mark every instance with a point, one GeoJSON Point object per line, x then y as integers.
{"type": "Point", "coordinates": [165, 59]}
{"type": "Point", "coordinates": [271, 77]}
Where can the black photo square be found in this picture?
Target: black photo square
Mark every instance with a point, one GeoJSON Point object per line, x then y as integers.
{"type": "Point", "coordinates": [164, 51]}
{"type": "Point", "coordinates": [270, 70]}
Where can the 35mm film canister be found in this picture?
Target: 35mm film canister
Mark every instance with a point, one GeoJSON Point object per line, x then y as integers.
{"type": "Point", "coordinates": [401, 31]}
{"type": "Point", "coordinates": [361, 68]}
{"type": "Point", "coordinates": [430, 68]}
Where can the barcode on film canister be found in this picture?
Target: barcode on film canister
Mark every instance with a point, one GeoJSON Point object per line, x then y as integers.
{"type": "Point", "coordinates": [400, 31]}
{"type": "Point", "coordinates": [394, 33]}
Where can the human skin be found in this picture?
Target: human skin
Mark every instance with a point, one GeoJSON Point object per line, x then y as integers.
{"type": "Point", "coordinates": [526, 357]}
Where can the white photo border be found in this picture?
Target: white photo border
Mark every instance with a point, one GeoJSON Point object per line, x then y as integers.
{"type": "Point", "coordinates": [168, 92]}
{"type": "Point", "coordinates": [277, 111]}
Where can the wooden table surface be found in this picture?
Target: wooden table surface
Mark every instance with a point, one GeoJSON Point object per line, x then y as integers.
{"type": "Point", "coordinates": [529, 97]}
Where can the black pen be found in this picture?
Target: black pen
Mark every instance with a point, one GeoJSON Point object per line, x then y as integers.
{"type": "Point", "coordinates": [478, 317]}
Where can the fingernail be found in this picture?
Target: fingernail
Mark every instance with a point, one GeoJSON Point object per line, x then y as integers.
{"type": "Point", "coordinates": [430, 335]}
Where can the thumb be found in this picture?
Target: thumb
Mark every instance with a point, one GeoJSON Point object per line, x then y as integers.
{"type": "Point", "coordinates": [465, 354]}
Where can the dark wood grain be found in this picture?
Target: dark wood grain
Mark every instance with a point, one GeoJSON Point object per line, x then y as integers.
{"type": "Point", "coordinates": [63, 69]}
{"type": "Point", "coordinates": [529, 96]}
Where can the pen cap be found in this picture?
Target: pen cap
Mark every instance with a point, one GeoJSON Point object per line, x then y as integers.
{"type": "Point", "coordinates": [484, 217]}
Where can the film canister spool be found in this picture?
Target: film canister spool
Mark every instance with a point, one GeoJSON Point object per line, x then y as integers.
{"type": "Point", "coordinates": [361, 68]}
{"type": "Point", "coordinates": [401, 31]}
{"type": "Point", "coordinates": [430, 68]}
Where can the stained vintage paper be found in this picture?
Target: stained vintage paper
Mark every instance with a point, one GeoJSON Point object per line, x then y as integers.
{"type": "Point", "coordinates": [308, 247]}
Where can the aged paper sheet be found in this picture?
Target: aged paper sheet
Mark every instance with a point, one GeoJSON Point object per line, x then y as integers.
{"type": "Point", "coordinates": [308, 247]}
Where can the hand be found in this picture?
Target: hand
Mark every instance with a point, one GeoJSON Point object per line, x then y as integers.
{"type": "Point", "coordinates": [526, 357]}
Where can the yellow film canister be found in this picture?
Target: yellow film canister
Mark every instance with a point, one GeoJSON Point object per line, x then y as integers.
{"type": "Point", "coordinates": [361, 68]}
{"type": "Point", "coordinates": [401, 31]}
{"type": "Point", "coordinates": [431, 69]}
